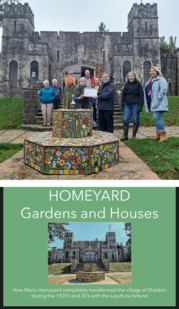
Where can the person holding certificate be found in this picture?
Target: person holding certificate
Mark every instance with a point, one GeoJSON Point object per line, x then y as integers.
{"type": "Point", "coordinates": [106, 103]}
{"type": "Point", "coordinates": [81, 100]}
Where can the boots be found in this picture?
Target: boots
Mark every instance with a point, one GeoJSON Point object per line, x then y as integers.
{"type": "Point", "coordinates": [157, 135]}
{"type": "Point", "coordinates": [163, 137]}
{"type": "Point", "coordinates": [135, 129]}
{"type": "Point", "coordinates": [126, 129]}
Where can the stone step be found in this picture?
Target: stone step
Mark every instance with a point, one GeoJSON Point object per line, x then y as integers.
{"type": "Point", "coordinates": [36, 127]}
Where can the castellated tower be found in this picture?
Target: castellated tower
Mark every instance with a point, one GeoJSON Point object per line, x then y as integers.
{"type": "Point", "coordinates": [18, 20]}
{"type": "Point", "coordinates": [144, 35]}
{"type": "Point", "coordinates": [18, 27]}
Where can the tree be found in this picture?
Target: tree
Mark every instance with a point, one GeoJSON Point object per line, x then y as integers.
{"type": "Point", "coordinates": [2, 8]}
{"type": "Point", "coordinates": [127, 228]}
{"type": "Point", "coordinates": [166, 49]}
{"type": "Point", "coordinates": [129, 254]}
{"type": "Point", "coordinates": [102, 27]}
{"type": "Point", "coordinates": [56, 230]}
{"type": "Point", "coordinates": [96, 239]}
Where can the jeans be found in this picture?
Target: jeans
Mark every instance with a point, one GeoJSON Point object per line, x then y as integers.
{"type": "Point", "coordinates": [128, 111]}
{"type": "Point", "coordinates": [157, 116]}
{"type": "Point", "coordinates": [106, 120]}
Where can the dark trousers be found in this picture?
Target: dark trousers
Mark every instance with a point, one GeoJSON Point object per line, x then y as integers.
{"type": "Point", "coordinates": [106, 120]}
{"type": "Point", "coordinates": [94, 112]}
{"type": "Point", "coordinates": [56, 104]}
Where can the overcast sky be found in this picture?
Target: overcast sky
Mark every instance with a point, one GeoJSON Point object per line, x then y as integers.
{"type": "Point", "coordinates": [55, 15]}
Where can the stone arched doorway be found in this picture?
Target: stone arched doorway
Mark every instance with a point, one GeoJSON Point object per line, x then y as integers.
{"type": "Point", "coordinates": [89, 257]}
{"type": "Point", "coordinates": [79, 71]}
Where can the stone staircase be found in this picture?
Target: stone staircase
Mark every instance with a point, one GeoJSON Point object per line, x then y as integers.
{"type": "Point", "coordinates": [38, 121]}
{"type": "Point", "coordinates": [37, 126]}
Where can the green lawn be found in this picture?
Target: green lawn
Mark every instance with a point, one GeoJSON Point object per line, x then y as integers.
{"type": "Point", "coordinates": [10, 113]}
{"type": "Point", "coordinates": [162, 158]}
{"type": "Point", "coordinates": [120, 267]}
{"type": "Point", "coordinates": [170, 119]}
{"type": "Point", "coordinates": [7, 150]}
{"type": "Point", "coordinates": [59, 269]}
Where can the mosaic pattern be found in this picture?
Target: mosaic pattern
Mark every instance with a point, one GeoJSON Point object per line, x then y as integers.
{"type": "Point", "coordinates": [90, 267]}
{"type": "Point", "coordinates": [66, 161]}
{"type": "Point", "coordinates": [104, 156]}
{"type": "Point", "coordinates": [33, 155]}
{"type": "Point", "coordinates": [46, 139]}
{"type": "Point", "coordinates": [90, 277]}
{"type": "Point", "coordinates": [50, 155]}
{"type": "Point", "coordinates": [71, 124]}
{"type": "Point", "coordinates": [85, 124]}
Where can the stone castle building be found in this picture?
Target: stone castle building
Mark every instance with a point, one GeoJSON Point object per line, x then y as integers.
{"type": "Point", "coordinates": [89, 251]}
{"type": "Point", "coordinates": [28, 56]}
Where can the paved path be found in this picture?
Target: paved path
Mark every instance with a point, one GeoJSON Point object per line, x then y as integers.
{"type": "Point", "coordinates": [148, 132]}
{"type": "Point", "coordinates": [130, 168]}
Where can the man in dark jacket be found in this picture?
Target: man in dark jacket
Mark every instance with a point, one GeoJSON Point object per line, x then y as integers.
{"type": "Point", "coordinates": [57, 90]}
{"type": "Point", "coordinates": [106, 103]}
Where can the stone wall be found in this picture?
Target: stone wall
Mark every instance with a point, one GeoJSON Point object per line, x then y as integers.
{"type": "Point", "coordinates": [105, 264]}
{"type": "Point", "coordinates": [169, 71]}
{"type": "Point", "coordinates": [76, 50]}
{"type": "Point", "coordinates": [90, 277]}
{"type": "Point", "coordinates": [30, 105]}
{"type": "Point", "coordinates": [74, 263]}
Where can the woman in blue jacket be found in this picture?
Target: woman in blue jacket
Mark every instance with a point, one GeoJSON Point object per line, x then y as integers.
{"type": "Point", "coordinates": [46, 96]}
{"type": "Point", "coordinates": [156, 101]}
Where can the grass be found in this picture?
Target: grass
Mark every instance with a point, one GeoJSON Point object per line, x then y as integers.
{"type": "Point", "coordinates": [10, 113]}
{"type": "Point", "coordinates": [163, 159]}
{"type": "Point", "coordinates": [121, 278]}
{"type": "Point", "coordinates": [7, 150]}
{"type": "Point", "coordinates": [59, 280]}
{"type": "Point", "coordinates": [170, 119]}
{"type": "Point", "coordinates": [59, 269]}
{"type": "Point", "coordinates": [120, 267]}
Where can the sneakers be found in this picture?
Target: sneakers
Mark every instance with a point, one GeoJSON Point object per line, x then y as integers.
{"type": "Point", "coordinates": [94, 124]}
{"type": "Point", "coordinates": [44, 125]}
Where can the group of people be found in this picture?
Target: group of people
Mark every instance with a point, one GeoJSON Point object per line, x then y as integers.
{"type": "Point", "coordinates": [154, 97]}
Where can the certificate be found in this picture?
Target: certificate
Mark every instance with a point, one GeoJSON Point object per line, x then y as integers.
{"type": "Point", "coordinates": [90, 92]}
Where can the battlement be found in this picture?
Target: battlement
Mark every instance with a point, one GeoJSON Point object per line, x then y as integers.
{"type": "Point", "coordinates": [69, 234]}
{"type": "Point", "coordinates": [18, 10]}
{"type": "Point", "coordinates": [142, 10]}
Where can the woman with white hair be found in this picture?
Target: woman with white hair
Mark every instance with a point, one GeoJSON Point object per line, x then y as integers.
{"type": "Point", "coordinates": [46, 96]}
{"type": "Point", "coordinates": [132, 103]}
{"type": "Point", "coordinates": [80, 100]}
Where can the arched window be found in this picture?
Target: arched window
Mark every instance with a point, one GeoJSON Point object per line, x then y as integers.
{"type": "Point", "coordinates": [106, 255]}
{"type": "Point", "coordinates": [126, 69]}
{"type": "Point", "coordinates": [147, 67]}
{"type": "Point", "coordinates": [74, 254]}
{"type": "Point", "coordinates": [13, 72]}
{"type": "Point", "coordinates": [66, 254]}
{"type": "Point", "coordinates": [112, 255]}
{"type": "Point", "coordinates": [34, 72]}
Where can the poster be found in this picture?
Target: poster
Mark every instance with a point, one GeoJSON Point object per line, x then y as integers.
{"type": "Point", "coordinates": [95, 221]}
